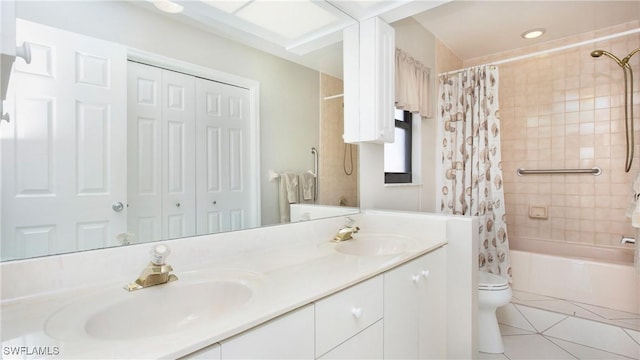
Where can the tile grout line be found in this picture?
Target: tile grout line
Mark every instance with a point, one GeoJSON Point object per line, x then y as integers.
{"type": "Point", "coordinates": [558, 345]}
{"type": "Point", "coordinates": [629, 335]}
{"type": "Point", "coordinates": [524, 317]}
{"type": "Point", "coordinates": [576, 303]}
{"type": "Point", "coordinates": [594, 313]}
{"type": "Point", "coordinates": [600, 319]}
{"type": "Point", "coordinates": [534, 327]}
{"type": "Point", "coordinates": [556, 323]}
{"type": "Point", "coordinates": [590, 347]}
{"type": "Point", "coordinates": [633, 316]}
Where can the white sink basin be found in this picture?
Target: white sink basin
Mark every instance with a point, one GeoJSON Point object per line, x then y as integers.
{"type": "Point", "coordinates": [116, 314]}
{"type": "Point", "coordinates": [375, 245]}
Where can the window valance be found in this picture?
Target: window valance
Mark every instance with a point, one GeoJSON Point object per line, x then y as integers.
{"type": "Point", "coordinates": [413, 85]}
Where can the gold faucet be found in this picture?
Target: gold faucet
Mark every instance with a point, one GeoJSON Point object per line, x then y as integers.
{"type": "Point", "coordinates": [347, 231]}
{"type": "Point", "coordinates": [156, 273]}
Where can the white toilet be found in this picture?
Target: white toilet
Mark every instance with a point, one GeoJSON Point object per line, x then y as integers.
{"type": "Point", "coordinates": [493, 292]}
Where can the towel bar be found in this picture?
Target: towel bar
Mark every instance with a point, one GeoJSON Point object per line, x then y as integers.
{"type": "Point", "coordinates": [595, 171]}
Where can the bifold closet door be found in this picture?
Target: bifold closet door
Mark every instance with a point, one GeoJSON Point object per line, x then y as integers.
{"type": "Point", "coordinates": [144, 164]}
{"type": "Point", "coordinates": [64, 150]}
{"type": "Point", "coordinates": [222, 151]}
{"type": "Point", "coordinates": [178, 155]}
{"type": "Point", "coordinates": [161, 161]}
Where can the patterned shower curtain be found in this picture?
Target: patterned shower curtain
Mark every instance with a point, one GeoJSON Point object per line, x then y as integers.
{"type": "Point", "coordinates": [471, 175]}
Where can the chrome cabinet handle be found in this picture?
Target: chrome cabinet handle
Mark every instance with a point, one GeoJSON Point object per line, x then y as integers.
{"type": "Point", "coordinates": [117, 206]}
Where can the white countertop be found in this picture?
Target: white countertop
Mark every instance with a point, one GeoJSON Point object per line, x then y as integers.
{"type": "Point", "coordinates": [282, 278]}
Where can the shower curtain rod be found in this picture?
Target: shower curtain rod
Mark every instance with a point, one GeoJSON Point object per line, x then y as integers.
{"type": "Point", "coordinates": [548, 51]}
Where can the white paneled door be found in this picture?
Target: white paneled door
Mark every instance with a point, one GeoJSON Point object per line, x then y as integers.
{"type": "Point", "coordinates": [222, 150]}
{"type": "Point", "coordinates": [64, 151]}
{"type": "Point", "coordinates": [161, 161]}
{"type": "Point", "coordinates": [144, 163]}
{"type": "Point", "coordinates": [178, 155]}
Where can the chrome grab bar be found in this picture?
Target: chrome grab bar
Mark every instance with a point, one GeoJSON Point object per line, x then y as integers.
{"type": "Point", "coordinates": [595, 171]}
{"type": "Point", "coordinates": [314, 151]}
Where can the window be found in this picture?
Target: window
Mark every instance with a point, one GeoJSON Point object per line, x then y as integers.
{"type": "Point", "coordinates": [397, 155]}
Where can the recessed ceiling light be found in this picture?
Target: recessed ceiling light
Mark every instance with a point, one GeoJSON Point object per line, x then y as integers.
{"type": "Point", "coordinates": [168, 6]}
{"type": "Point", "coordinates": [533, 33]}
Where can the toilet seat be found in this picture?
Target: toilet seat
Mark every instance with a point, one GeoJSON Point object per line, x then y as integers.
{"type": "Point", "coordinates": [491, 282]}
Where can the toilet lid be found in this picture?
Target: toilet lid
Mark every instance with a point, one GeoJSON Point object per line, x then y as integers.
{"type": "Point", "coordinates": [488, 281]}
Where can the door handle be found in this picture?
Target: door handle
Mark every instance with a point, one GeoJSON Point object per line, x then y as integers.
{"type": "Point", "coordinates": [117, 206]}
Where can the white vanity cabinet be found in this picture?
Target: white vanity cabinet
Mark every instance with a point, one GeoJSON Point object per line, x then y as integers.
{"type": "Point", "coordinates": [414, 309]}
{"type": "Point", "coordinates": [399, 314]}
{"type": "Point", "coordinates": [290, 336]}
{"type": "Point", "coordinates": [343, 317]}
{"type": "Point", "coordinates": [369, 82]}
{"type": "Point", "coordinates": [345, 325]}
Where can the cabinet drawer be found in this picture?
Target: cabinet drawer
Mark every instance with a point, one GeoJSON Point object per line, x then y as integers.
{"type": "Point", "coordinates": [289, 336]}
{"type": "Point", "coordinates": [341, 316]}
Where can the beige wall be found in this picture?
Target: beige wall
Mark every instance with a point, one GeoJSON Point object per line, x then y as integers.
{"type": "Point", "coordinates": [446, 60]}
{"type": "Point", "coordinates": [565, 110]}
{"type": "Point", "coordinates": [413, 39]}
{"type": "Point", "coordinates": [334, 184]}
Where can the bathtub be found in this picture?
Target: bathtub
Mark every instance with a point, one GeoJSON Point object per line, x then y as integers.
{"type": "Point", "coordinates": [613, 284]}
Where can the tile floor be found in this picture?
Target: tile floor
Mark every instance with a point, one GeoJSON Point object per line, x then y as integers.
{"type": "Point", "coordinates": [539, 327]}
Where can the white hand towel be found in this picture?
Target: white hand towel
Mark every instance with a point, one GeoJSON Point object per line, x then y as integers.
{"type": "Point", "coordinates": [291, 181]}
{"type": "Point", "coordinates": [633, 201]}
{"type": "Point", "coordinates": [283, 202]}
{"type": "Point", "coordinates": [634, 213]}
{"type": "Point", "coordinates": [308, 181]}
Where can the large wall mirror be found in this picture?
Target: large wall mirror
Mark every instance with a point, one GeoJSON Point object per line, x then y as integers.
{"type": "Point", "coordinates": [72, 160]}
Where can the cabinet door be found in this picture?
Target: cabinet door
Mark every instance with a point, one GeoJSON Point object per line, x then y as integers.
{"type": "Point", "coordinates": [432, 335]}
{"type": "Point", "coordinates": [365, 345]}
{"type": "Point", "coordinates": [290, 336]}
{"type": "Point", "coordinates": [369, 82]}
{"type": "Point", "coordinates": [377, 81]}
{"type": "Point", "coordinates": [401, 312]}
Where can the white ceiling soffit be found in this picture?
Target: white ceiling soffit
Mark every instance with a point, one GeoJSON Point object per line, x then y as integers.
{"type": "Point", "coordinates": [389, 10]}
{"type": "Point", "coordinates": [473, 29]}
{"type": "Point", "coordinates": [308, 32]}
{"type": "Point", "coordinates": [298, 26]}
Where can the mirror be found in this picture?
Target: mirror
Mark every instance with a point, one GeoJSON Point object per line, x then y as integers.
{"type": "Point", "coordinates": [293, 103]}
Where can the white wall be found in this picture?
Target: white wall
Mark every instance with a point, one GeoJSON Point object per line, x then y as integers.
{"type": "Point", "coordinates": [413, 39]}
{"type": "Point", "coordinates": [289, 93]}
